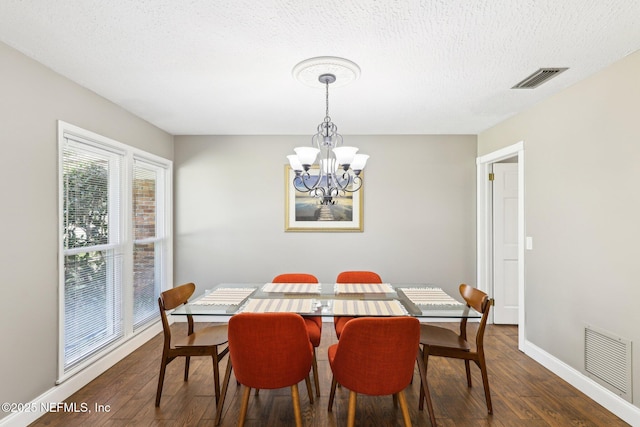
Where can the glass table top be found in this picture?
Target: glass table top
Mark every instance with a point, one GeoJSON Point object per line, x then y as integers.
{"type": "Point", "coordinates": [329, 299]}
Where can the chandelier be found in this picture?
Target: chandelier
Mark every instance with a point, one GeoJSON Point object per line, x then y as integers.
{"type": "Point", "coordinates": [338, 166]}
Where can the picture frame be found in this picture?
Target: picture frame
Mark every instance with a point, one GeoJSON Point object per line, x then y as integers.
{"type": "Point", "coordinates": [302, 212]}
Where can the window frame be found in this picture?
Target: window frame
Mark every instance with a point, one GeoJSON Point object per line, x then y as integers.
{"type": "Point", "coordinates": [124, 224]}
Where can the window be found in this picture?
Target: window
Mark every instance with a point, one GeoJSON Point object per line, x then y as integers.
{"type": "Point", "coordinates": [148, 242]}
{"type": "Point", "coordinates": [114, 210]}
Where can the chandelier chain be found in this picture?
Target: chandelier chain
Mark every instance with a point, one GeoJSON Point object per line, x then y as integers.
{"type": "Point", "coordinates": [326, 116]}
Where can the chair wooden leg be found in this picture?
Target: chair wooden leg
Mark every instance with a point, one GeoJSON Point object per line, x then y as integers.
{"type": "Point", "coordinates": [423, 362]}
{"type": "Point", "coordinates": [405, 409]}
{"type": "Point", "coordinates": [225, 385]}
{"type": "Point", "coordinates": [163, 368]}
{"type": "Point", "coordinates": [245, 405]}
{"type": "Point", "coordinates": [421, 398]}
{"type": "Point", "coordinates": [186, 368]}
{"type": "Point", "coordinates": [295, 395]}
{"type": "Point", "coordinates": [351, 417]}
{"type": "Point", "coordinates": [332, 393]}
{"type": "Point", "coordinates": [216, 375]}
{"type": "Point", "coordinates": [395, 400]}
{"type": "Point", "coordinates": [485, 382]}
{"type": "Point", "coordinates": [422, 371]}
{"type": "Point", "coordinates": [307, 381]}
{"type": "Point", "coordinates": [468, 369]}
{"type": "Point", "coordinates": [316, 379]}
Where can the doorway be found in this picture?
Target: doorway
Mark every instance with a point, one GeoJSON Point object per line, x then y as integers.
{"type": "Point", "coordinates": [509, 254]}
{"type": "Point", "coordinates": [504, 226]}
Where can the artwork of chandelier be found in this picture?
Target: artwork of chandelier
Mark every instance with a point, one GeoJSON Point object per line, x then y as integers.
{"type": "Point", "coordinates": [338, 166]}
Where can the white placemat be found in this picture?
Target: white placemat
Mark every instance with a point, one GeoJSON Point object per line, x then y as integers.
{"type": "Point", "coordinates": [278, 305]}
{"type": "Point", "coordinates": [429, 296]}
{"type": "Point", "coordinates": [292, 288]}
{"type": "Point", "coordinates": [225, 296]}
{"type": "Point", "coordinates": [362, 288]}
{"type": "Point", "coordinates": [368, 308]}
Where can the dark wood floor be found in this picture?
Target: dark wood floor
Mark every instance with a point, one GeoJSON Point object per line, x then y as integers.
{"type": "Point", "coordinates": [523, 392]}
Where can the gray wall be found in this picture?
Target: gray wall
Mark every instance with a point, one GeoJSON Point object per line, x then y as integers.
{"type": "Point", "coordinates": [582, 208]}
{"type": "Point", "coordinates": [33, 99]}
{"type": "Point", "coordinates": [419, 212]}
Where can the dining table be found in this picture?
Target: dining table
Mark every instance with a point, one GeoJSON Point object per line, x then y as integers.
{"type": "Point", "coordinates": [423, 301]}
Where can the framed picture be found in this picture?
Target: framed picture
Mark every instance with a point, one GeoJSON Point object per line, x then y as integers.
{"type": "Point", "coordinates": [305, 213]}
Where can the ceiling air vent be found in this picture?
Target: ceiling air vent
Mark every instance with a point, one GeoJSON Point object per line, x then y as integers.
{"type": "Point", "coordinates": [539, 77]}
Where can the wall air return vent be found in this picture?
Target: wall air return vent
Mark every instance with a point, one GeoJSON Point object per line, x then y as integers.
{"type": "Point", "coordinates": [607, 360]}
{"type": "Point", "coordinates": [539, 77]}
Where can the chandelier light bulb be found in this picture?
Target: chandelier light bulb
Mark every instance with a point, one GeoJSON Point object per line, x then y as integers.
{"type": "Point", "coordinates": [345, 155]}
{"type": "Point", "coordinates": [306, 155]}
{"type": "Point", "coordinates": [359, 161]}
{"type": "Point", "coordinates": [295, 162]}
{"type": "Point", "coordinates": [328, 166]}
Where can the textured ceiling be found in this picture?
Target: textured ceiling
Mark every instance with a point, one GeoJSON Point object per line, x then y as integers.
{"type": "Point", "coordinates": [224, 67]}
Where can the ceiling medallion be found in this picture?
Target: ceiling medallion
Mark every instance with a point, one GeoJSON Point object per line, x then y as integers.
{"type": "Point", "coordinates": [307, 71]}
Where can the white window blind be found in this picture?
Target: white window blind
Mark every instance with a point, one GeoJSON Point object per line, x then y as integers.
{"type": "Point", "coordinates": [115, 246]}
{"type": "Point", "coordinates": [149, 240]}
{"type": "Point", "coordinates": [92, 250]}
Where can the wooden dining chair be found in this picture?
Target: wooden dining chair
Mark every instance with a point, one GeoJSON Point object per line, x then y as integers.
{"type": "Point", "coordinates": [268, 351]}
{"type": "Point", "coordinates": [207, 341]}
{"type": "Point", "coordinates": [438, 341]}
{"type": "Point", "coordinates": [313, 323]}
{"type": "Point", "coordinates": [375, 356]}
{"type": "Point", "coordinates": [352, 277]}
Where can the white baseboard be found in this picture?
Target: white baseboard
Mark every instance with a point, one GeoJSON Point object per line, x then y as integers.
{"type": "Point", "coordinates": [611, 401]}
{"type": "Point", "coordinates": [59, 393]}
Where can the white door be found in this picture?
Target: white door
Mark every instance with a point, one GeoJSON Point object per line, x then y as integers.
{"type": "Point", "coordinates": [505, 243]}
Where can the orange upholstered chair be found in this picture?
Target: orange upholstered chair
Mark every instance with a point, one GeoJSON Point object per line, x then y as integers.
{"type": "Point", "coordinates": [437, 341]}
{"type": "Point", "coordinates": [314, 323]}
{"type": "Point", "coordinates": [203, 342]}
{"type": "Point", "coordinates": [375, 356]}
{"type": "Point", "coordinates": [268, 351]}
{"type": "Point", "coordinates": [352, 277]}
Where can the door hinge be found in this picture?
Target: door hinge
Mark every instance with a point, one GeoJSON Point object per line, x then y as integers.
{"type": "Point", "coordinates": [491, 176]}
